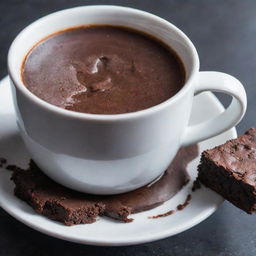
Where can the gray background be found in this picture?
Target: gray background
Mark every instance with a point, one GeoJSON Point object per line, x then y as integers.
{"type": "Point", "coordinates": [224, 33]}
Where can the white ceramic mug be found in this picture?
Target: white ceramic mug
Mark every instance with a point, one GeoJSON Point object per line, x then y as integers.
{"type": "Point", "coordinates": [109, 154]}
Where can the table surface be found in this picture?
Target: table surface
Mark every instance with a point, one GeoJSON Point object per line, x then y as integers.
{"type": "Point", "coordinates": [224, 33]}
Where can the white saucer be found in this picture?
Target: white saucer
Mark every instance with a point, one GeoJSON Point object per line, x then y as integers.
{"type": "Point", "coordinates": [107, 231]}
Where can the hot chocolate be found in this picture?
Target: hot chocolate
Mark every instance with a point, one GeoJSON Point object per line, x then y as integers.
{"type": "Point", "coordinates": [102, 70]}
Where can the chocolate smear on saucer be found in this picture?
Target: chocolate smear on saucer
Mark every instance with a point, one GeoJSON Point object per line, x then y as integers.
{"type": "Point", "coordinates": [179, 207]}
{"type": "Point", "coordinates": [59, 203]}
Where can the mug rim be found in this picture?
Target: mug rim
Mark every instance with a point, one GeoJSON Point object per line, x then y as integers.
{"type": "Point", "coordinates": [104, 117]}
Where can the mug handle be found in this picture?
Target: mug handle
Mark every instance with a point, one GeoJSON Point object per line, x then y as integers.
{"type": "Point", "coordinates": [218, 82]}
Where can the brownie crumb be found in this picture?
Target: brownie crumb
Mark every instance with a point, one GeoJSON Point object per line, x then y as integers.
{"type": "Point", "coordinates": [185, 204]}
{"type": "Point", "coordinates": [196, 185]}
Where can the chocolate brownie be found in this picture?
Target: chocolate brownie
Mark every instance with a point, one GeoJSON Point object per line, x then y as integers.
{"type": "Point", "coordinates": [70, 207]}
{"type": "Point", "coordinates": [230, 170]}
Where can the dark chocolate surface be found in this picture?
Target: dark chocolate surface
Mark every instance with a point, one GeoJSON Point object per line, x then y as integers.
{"type": "Point", "coordinates": [69, 207]}
{"type": "Point", "coordinates": [229, 231]}
{"type": "Point", "coordinates": [102, 70]}
{"type": "Point", "coordinates": [230, 170]}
